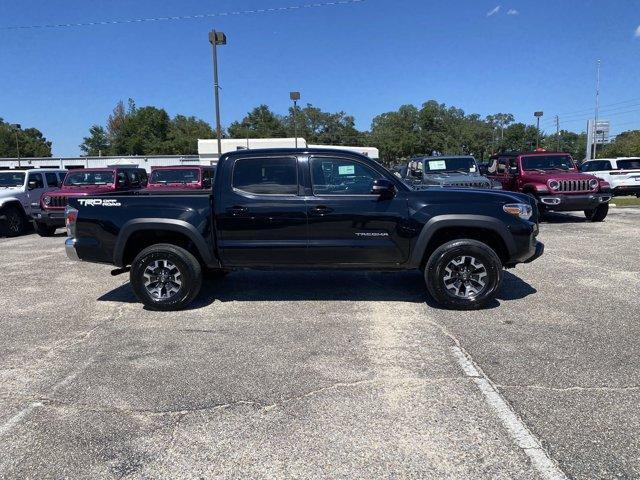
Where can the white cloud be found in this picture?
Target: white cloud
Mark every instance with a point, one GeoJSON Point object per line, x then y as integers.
{"type": "Point", "coordinates": [513, 11]}
{"type": "Point", "coordinates": [494, 11]}
{"type": "Point", "coordinates": [638, 31]}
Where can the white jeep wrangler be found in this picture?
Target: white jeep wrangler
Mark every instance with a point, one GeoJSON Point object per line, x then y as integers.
{"type": "Point", "coordinates": [20, 192]}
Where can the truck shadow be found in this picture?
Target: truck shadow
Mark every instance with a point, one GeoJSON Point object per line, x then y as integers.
{"type": "Point", "coordinates": [255, 286]}
{"type": "Point", "coordinates": [556, 217]}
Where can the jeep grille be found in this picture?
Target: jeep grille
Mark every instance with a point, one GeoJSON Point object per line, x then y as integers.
{"type": "Point", "coordinates": [574, 186]}
{"type": "Point", "coordinates": [58, 202]}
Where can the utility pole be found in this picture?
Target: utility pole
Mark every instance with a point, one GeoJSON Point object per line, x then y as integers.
{"type": "Point", "coordinates": [217, 38]}
{"type": "Point", "coordinates": [595, 123]}
{"type": "Point", "coordinates": [558, 133]}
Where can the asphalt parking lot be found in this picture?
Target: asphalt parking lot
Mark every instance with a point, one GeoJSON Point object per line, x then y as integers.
{"type": "Point", "coordinates": [307, 375]}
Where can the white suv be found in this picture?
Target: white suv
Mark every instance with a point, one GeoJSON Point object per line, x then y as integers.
{"type": "Point", "coordinates": [622, 173]}
{"type": "Point", "coordinates": [20, 192]}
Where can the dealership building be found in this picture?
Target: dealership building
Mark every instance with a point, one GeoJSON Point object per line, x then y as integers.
{"type": "Point", "coordinates": [207, 155]}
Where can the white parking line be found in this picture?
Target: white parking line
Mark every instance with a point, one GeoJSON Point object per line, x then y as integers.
{"type": "Point", "coordinates": [516, 427]}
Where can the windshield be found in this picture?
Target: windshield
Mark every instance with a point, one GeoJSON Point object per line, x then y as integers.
{"type": "Point", "coordinates": [548, 162]}
{"type": "Point", "coordinates": [175, 176]}
{"type": "Point", "coordinates": [11, 179]}
{"type": "Point", "coordinates": [440, 165]}
{"type": "Point", "coordinates": [89, 178]}
{"type": "Point", "coordinates": [631, 164]}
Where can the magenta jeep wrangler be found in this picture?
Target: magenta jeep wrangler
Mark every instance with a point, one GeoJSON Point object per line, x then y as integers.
{"type": "Point", "coordinates": [197, 177]}
{"type": "Point", "coordinates": [80, 183]}
{"type": "Point", "coordinates": [553, 180]}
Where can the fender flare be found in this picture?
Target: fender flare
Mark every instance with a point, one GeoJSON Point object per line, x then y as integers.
{"type": "Point", "coordinates": [459, 220]}
{"type": "Point", "coordinates": [172, 225]}
{"type": "Point", "coordinates": [11, 201]}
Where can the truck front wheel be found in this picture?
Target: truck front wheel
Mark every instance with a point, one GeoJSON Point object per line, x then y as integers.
{"type": "Point", "coordinates": [14, 223]}
{"type": "Point", "coordinates": [463, 274]}
{"type": "Point", "coordinates": [597, 214]}
{"type": "Point", "coordinates": [166, 277]}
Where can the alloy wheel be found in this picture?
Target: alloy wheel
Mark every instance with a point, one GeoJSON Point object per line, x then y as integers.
{"type": "Point", "coordinates": [465, 277]}
{"type": "Point", "coordinates": [162, 279]}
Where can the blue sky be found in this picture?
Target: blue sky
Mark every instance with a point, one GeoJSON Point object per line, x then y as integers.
{"type": "Point", "coordinates": [364, 58]}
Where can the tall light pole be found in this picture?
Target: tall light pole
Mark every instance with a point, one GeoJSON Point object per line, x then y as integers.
{"type": "Point", "coordinates": [295, 96]}
{"type": "Point", "coordinates": [595, 122]}
{"type": "Point", "coordinates": [217, 38]}
{"type": "Point", "coordinates": [16, 127]}
{"type": "Point", "coordinates": [538, 115]}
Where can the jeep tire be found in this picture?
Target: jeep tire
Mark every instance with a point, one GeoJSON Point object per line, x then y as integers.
{"type": "Point", "coordinates": [43, 229]}
{"type": "Point", "coordinates": [597, 214]}
{"type": "Point", "coordinates": [166, 277]}
{"type": "Point", "coordinates": [14, 224]}
{"type": "Point", "coordinates": [463, 274]}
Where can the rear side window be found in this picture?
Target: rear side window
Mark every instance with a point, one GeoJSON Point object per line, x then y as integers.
{"type": "Point", "coordinates": [631, 164]}
{"type": "Point", "coordinates": [266, 176]}
{"type": "Point", "coordinates": [52, 179]}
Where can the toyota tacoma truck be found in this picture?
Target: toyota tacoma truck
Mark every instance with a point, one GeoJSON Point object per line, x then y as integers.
{"type": "Point", "coordinates": [20, 192]}
{"type": "Point", "coordinates": [81, 183]}
{"type": "Point", "coordinates": [181, 178]}
{"type": "Point", "coordinates": [554, 181]}
{"type": "Point", "coordinates": [309, 209]}
{"type": "Point", "coordinates": [445, 171]}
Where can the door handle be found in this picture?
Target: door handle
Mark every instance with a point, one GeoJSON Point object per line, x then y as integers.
{"type": "Point", "coordinates": [237, 210]}
{"type": "Point", "coordinates": [321, 209]}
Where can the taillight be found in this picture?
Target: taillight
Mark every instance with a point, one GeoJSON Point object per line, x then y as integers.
{"type": "Point", "coordinates": [71, 216]}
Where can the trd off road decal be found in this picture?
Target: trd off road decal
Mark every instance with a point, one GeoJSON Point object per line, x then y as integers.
{"type": "Point", "coordinates": [99, 202]}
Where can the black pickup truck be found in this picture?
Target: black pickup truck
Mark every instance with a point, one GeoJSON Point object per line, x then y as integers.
{"type": "Point", "coordinates": [310, 209]}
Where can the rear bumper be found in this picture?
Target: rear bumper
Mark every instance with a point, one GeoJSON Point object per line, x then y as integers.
{"type": "Point", "coordinates": [51, 218]}
{"type": "Point", "coordinates": [70, 249]}
{"type": "Point", "coordinates": [570, 203]}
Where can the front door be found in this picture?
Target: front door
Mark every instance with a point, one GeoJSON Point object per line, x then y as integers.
{"type": "Point", "coordinates": [262, 219]}
{"type": "Point", "coordinates": [35, 188]}
{"type": "Point", "coordinates": [347, 224]}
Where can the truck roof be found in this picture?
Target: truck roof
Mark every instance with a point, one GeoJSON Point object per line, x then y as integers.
{"type": "Point", "coordinates": [182, 167]}
{"type": "Point", "coordinates": [292, 151]}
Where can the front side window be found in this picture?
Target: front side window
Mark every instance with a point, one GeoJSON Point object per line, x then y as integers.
{"type": "Point", "coordinates": [52, 179]}
{"type": "Point", "coordinates": [37, 178]}
{"type": "Point", "coordinates": [11, 179]}
{"type": "Point", "coordinates": [266, 176]}
{"type": "Point", "coordinates": [337, 176]}
{"type": "Point", "coordinates": [81, 178]}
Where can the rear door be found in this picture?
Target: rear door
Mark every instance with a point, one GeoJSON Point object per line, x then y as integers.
{"type": "Point", "coordinates": [347, 224]}
{"type": "Point", "coordinates": [261, 218]}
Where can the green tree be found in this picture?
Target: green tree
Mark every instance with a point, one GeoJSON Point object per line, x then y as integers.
{"type": "Point", "coordinates": [397, 134]}
{"type": "Point", "coordinates": [323, 128]}
{"type": "Point", "coordinates": [570, 142]}
{"type": "Point", "coordinates": [626, 144]}
{"type": "Point", "coordinates": [521, 137]}
{"type": "Point", "coordinates": [30, 141]}
{"type": "Point", "coordinates": [184, 133]}
{"type": "Point", "coordinates": [259, 123]}
{"type": "Point", "coordinates": [97, 143]}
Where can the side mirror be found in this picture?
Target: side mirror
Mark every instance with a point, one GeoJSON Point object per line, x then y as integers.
{"type": "Point", "coordinates": [32, 184]}
{"type": "Point", "coordinates": [514, 170]}
{"type": "Point", "coordinates": [384, 188]}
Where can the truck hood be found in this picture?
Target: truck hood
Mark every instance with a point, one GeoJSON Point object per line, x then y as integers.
{"type": "Point", "coordinates": [472, 180]}
{"type": "Point", "coordinates": [470, 195]}
{"type": "Point", "coordinates": [9, 191]}
{"type": "Point", "coordinates": [174, 186]}
{"type": "Point", "coordinates": [556, 175]}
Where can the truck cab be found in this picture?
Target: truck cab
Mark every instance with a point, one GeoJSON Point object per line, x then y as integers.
{"type": "Point", "coordinates": [81, 183]}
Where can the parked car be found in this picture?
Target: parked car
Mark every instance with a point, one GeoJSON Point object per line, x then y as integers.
{"type": "Point", "coordinates": [554, 181]}
{"type": "Point", "coordinates": [82, 183]}
{"type": "Point", "coordinates": [20, 192]}
{"type": "Point", "coordinates": [311, 208]}
{"type": "Point", "coordinates": [622, 173]}
{"type": "Point", "coordinates": [181, 178]}
{"type": "Point", "coordinates": [449, 171]}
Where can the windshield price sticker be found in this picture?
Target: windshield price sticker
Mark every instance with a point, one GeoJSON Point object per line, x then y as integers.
{"type": "Point", "coordinates": [346, 170]}
{"type": "Point", "coordinates": [437, 165]}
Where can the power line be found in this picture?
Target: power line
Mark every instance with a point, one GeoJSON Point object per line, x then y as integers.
{"type": "Point", "coordinates": [586, 110]}
{"type": "Point", "coordinates": [187, 17]}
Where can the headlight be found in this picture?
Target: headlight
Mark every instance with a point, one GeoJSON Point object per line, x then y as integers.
{"type": "Point", "coordinates": [593, 183]}
{"type": "Point", "coordinates": [46, 200]}
{"type": "Point", "coordinates": [521, 210]}
{"type": "Point", "coordinates": [554, 184]}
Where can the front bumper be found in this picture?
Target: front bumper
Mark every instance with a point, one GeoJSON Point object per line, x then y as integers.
{"type": "Point", "coordinates": [70, 249]}
{"type": "Point", "coordinates": [570, 203]}
{"type": "Point", "coordinates": [539, 250]}
{"type": "Point", "coordinates": [51, 218]}
{"type": "Point", "coordinates": [621, 190]}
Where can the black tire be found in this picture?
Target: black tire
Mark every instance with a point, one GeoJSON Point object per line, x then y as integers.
{"type": "Point", "coordinates": [43, 229]}
{"type": "Point", "coordinates": [597, 214]}
{"type": "Point", "coordinates": [162, 255]}
{"type": "Point", "coordinates": [541, 207]}
{"type": "Point", "coordinates": [14, 225]}
{"type": "Point", "coordinates": [435, 274]}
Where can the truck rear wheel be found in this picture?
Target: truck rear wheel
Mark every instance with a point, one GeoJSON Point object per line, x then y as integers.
{"type": "Point", "coordinates": [597, 214]}
{"type": "Point", "coordinates": [463, 274]}
{"type": "Point", "coordinates": [166, 277]}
